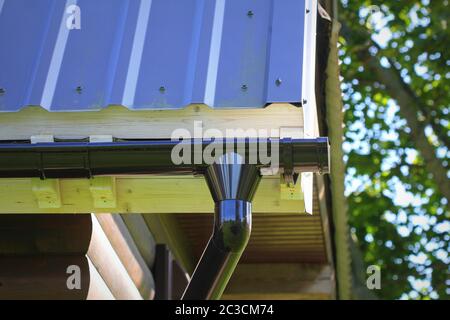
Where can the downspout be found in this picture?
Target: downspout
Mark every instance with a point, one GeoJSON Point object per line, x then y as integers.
{"type": "Point", "coordinates": [232, 182]}
{"type": "Point", "coordinates": [232, 185]}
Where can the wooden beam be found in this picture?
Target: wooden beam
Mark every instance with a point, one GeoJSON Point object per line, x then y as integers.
{"type": "Point", "coordinates": [46, 277]}
{"type": "Point", "coordinates": [165, 229]}
{"type": "Point", "coordinates": [109, 266]}
{"type": "Point", "coordinates": [46, 192]}
{"type": "Point", "coordinates": [335, 118]}
{"type": "Point", "coordinates": [280, 281]}
{"type": "Point", "coordinates": [121, 122]}
{"type": "Point", "coordinates": [142, 236]}
{"type": "Point", "coordinates": [98, 290]}
{"type": "Point", "coordinates": [143, 194]}
{"type": "Point", "coordinates": [103, 191]}
{"type": "Point", "coordinates": [123, 244]}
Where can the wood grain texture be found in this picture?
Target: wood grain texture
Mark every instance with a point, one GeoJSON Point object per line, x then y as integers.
{"type": "Point", "coordinates": [166, 229]}
{"type": "Point", "coordinates": [142, 236]}
{"type": "Point", "coordinates": [44, 234]}
{"type": "Point", "coordinates": [109, 266]}
{"type": "Point", "coordinates": [45, 277]}
{"type": "Point", "coordinates": [98, 290]}
{"type": "Point", "coordinates": [121, 122]}
{"type": "Point", "coordinates": [143, 194]}
{"type": "Point", "coordinates": [281, 281]}
{"type": "Point", "coordinates": [125, 248]}
{"type": "Point", "coordinates": [275, 238]}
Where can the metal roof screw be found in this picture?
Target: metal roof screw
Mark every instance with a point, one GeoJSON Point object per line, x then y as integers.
{"type": "Point", "coordinates": [250, 13]}
{"type": "Point", "coordinates": [162, 89]}
{"type": "Point", "coordinates": [79, 89]}
{"type": "Point", "coordinates": [2, 91]}
{"type": "Point", "coordinates": [308, 11]}
{"type": "Point", "coordinates": [305, 101]}
{"type": "Point", "coordinates": [244, 87]}
{"type": "Point", "coordinates": [278, 82]}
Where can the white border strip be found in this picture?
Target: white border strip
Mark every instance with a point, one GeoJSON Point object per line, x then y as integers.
{"type": "Point", "coordinates": [311, 126]}
{"type": "Point", "coordinates": [309, 70]}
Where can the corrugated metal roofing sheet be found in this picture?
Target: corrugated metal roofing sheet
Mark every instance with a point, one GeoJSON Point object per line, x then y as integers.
{"type": "Point", "coordinates": [150, 54]}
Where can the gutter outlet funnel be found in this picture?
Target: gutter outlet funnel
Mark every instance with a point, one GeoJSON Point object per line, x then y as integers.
{"type": "Point", "coordinates": [233, 185]}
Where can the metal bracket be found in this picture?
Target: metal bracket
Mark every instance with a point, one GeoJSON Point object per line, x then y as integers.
{"type": "Point", "coordinates": [289, 177]}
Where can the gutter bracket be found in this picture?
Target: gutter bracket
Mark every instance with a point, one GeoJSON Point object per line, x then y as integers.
{"type": "Point", "coordinates": [289, 176]}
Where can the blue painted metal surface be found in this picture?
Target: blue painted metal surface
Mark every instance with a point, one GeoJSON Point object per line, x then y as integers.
{"type": "Point", "coordinates": [150, 54]}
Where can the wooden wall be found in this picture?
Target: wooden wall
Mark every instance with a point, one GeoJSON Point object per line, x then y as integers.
{"type": "Point", "coordinates": [41, 254]}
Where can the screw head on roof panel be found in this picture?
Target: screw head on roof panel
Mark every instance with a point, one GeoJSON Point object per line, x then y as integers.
{"type": "Point", "coordinates": [244, 87]}
{"type": "Point", "coordinates": [278, 82]}
{"type": "Point", "coordinates": [2, 91]}
{"type": "Point", "coordinates": [79, 90]}
{"type": "Point", "coordinates": [250, 13]}
{"type": "Point", "coordinates": [162, 89]}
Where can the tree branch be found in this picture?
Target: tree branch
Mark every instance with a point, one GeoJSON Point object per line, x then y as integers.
{"type": "Point", "coordinates": [409, 107]}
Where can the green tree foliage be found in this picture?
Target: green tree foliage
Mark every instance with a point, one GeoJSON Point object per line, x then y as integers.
{"type": "Point", "coordinates": [396, 69]}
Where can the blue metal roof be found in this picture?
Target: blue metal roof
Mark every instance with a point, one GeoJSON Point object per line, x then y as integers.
{"type": "Point", "coordinates": [150, 54]}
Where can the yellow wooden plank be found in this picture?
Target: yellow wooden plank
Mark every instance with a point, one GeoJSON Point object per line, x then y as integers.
{"type": "Point", "coordinates": [103, 190]}
{"type": "Point", "coordinates": [145, 194]}
{"type": "Point", "coordinates": [121, 122]}
{"type": "Point", "coordinates": [290, 191]}
{"type": "Point", "coordinates": [46, 192]}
